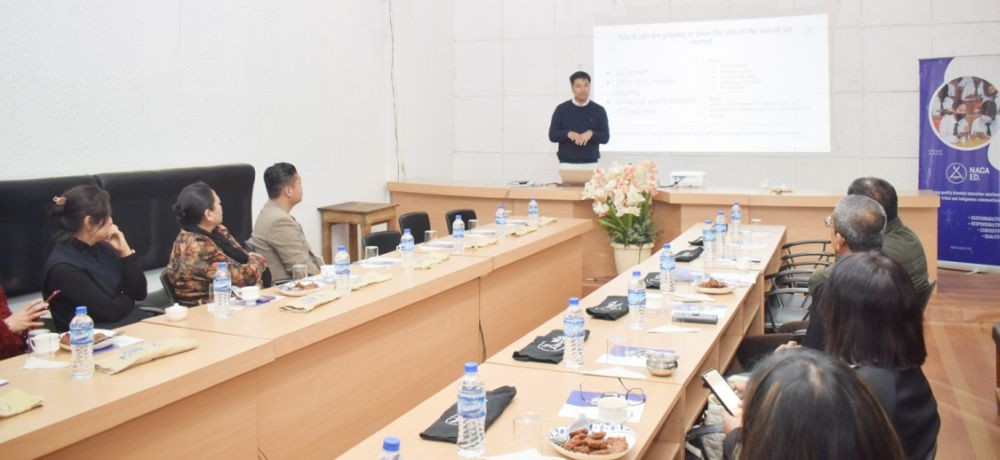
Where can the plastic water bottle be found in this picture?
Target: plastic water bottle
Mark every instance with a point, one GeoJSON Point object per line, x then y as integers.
{"type": "Point", "coordinates": [222, 285]}
{"type": "Point", "coordinates": [471, 413]}
{"type": "Point", "coordinates": [406, 247]}
{"type": "Point", "coordinates": [342, 268]}
{"type": "Point", "coordinates": [721, 228]}
{"type": "Point", "coordinates": [81, 340]}
{"type": "Point", "coordinates": [573, 334]}
{"type": "Point", "coordinates": [533, 220]}
{"type": "Point", "coordinates": [501, 221]}
{"type": "Point", "coordinates": [736, 219]}
{"type": "Point", "coordinates": [390, 449]}
{"type": "Point", "coordinates": [637, 301]}
{"type": "Point", "coordinates": [458, 233]}
{"type": "Point", "coordinates": [667, 266]}
{"type": "Point", "coordinates": [708, 241]}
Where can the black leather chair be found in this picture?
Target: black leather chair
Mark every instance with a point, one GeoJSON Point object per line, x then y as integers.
{"type": "Point", "coordinates": [27, 231]}
{"type": "Point", "coordinates": [417, 222]}
{"type": "Point", "coordinates": [386, 241]}
{"type": "Point", "coordinates": [449, 217]}
{"type": "Point", "coordinates": [168, 288]}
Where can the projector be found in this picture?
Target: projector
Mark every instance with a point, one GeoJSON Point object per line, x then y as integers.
{"type": "Point", "coordinates": [689, 179]}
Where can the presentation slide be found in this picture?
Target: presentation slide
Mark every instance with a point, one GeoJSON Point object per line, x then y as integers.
{"type": "Point", "coordinates": [748, 85]}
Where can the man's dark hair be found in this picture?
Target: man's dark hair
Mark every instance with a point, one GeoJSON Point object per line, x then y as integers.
{"type": "Point", "coordinates": [871, 313]}
{"type": "Point", "coordinates": [579, 74]}
{"type": "Point", "coordinates": [861, 221]}
{"type": "Point", "coordinates": [277, 177]}
{"type": "Point", "coordinates": [879, 190]}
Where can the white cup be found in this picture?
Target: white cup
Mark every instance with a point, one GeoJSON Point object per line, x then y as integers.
{"type": "Point", "coordinates": [612, 409]}
{"type": "Point", "coordinates": [176, 312]}
{"type": "Point", "coordinates": [328, 273]}
{"type": "Point", "coordinates": [44, 345]}
{"type": "Point", "coordinates": [250, 294]}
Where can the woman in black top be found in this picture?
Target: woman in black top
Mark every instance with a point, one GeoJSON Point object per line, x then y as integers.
{"type": "Point", "coordinates": [873, 322]}
{"type": "Point", "coordinates": [92, 264]}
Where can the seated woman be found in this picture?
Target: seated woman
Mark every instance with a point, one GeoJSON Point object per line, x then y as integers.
{"type": "Point", "coordinates": [15, 326]}
{"type": "Point", "coordinates": [802, 404]}
{"type": "Point", "coordinates": [874, 323]}
{"type": "Point", "coordinates": [202, 244]}
{"type": "Point", "coordinates": [92, 264]}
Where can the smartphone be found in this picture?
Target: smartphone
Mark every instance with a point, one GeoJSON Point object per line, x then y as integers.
{"type": "Point", "coordinates": [52, 296]}
{"type": "Point", "coordinates": [727, 396]}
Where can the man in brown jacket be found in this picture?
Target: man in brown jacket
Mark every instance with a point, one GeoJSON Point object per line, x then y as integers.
{"type": "Point", "coordinates": [277, 235]}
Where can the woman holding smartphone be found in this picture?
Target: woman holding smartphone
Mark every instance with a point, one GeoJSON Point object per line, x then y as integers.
{"type": "Point", "coordinates": [92, 263]}
{"type": "Point", "coordinates": [15, 326]}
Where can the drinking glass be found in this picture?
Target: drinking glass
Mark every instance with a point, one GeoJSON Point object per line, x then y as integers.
{"type": "Point", "coordinates": [617, 341]}
{"type": "Point", "coordinates": [299, 272]}
{"type": "Point", "coordinates": [430, 235]}
{"type": "Point", "coordinates": [473, 223]}
{"type": "Point", "coordinates": [528, 431]}
{"type": "Point", "coordinates": [371, 252]}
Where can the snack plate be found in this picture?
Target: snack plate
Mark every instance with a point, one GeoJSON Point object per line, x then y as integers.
{"type": "Point", "coordinates": [612, 429]}
{"type": "Point", "coordinates": [98, 346]}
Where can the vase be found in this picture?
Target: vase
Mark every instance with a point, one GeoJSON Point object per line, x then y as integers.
{"type": "Point", "coordinates": [627, 257]}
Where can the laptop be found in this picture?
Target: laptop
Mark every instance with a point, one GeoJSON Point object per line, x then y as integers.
{"type": "Point", "coordinates": [576, 174]}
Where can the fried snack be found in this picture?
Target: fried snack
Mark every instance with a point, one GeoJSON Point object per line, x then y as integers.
{"type": "Point", "coordinates": [303, 284]}
{"type": "Point", "coordinates": [98, 338]}
{"type": "Point", "coordinates": [597, 443]}
{"type": "Point", "coordinates": [713, 283]}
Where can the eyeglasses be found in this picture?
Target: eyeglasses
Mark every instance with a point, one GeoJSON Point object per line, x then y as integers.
{"type": "Point", "coordinates": [634, 396]}
{"type": "Point", "coordinates": [828, 221]}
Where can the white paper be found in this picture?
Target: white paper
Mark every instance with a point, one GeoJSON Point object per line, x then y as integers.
{"type": "Point", "coordinates": [631, 361]}
{"type": "Point", "coordinates": [692, 297]}
{"type": "Point", "coordinates": [671, 329]}
{"type": "Point", "coordinates": [40, 363]}
{"type": "Point", "coordinates": [529, 454]}
{"type": "Point", "coordinates": [618, 371]}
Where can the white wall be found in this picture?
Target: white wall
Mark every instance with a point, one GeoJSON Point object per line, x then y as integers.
{"type": "Point", "coordinates": [99, 86]}
{"type": "Point", "coordinates": [513, 59]}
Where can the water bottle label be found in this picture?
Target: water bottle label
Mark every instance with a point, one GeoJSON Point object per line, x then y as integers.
{"type": "Point", "coordinates": [222, 284]}
{"type": "Point", "coordinates": [721, 228]}
{"type": "Point", "coordinates": [343, 269]}
{"type": "Point", "coordinates": [501, 219]}
{"type": "Point", "coordinates": [636, 298]}
{"type": "Point", "coordinates": [407, 246]}
{"type": "Point", "coordinates": [533, 209]}
{"type": "Point", "coordinates": [460, 233]}
{"type": "Point", "coordinates": [81, 336]}
{"type": "Point", "coordinates": [667, 263]}
{"type": "Point", "coordinates": [471, 407]}
{"type": "Point", "coordinates": [573, 327]}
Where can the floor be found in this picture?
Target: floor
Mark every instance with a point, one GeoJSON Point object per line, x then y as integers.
{"type": "Point", "coordinates": [961, 363]}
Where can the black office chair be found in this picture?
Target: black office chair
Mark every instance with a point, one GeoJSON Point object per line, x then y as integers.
{"type": "Point", "coordinates": [924, 297]}
{"type": "Point", "coordinates": [824, 246]}
{"type": "Point", "coordinates": [810, 265]}
{"type": "Point", "coordinates": [789, 278]}
{"type": "Point", "coordinates": [785, 306]}
{"type": "Point", "coordinates": [417, 222]}
{"type": "Point", "coordinates": [168, 288]}
{"type": "Point", "coordinates": [386, 241]}
{"type": "Point", "coordinates": [449, 217]}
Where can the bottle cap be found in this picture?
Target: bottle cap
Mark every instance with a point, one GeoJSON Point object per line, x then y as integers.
{"type": "Point", "coordinates": [501, 205]}
{"type": "Point", "coordinates": [341, 248]}
{"type": "Point", "coordinates": [390, 444]}
{"type": "Point", "coordinates": [223, 265]}
{"type": "Point", "coordinates": [406, 231]}
{"type": "Point", "coordinates": [636, 273]}
{"type": "Point", "coordinates": [708, 222]}
{"type": "Point", "coordinates": [81, 310]}
{"type": "Point", "coordinates": [736, 203]}
{"type": "Point", "coordinates": [721, 213]}
{"type": "Point", "coordinates": [471, 368]}
{"type": "Point", "coordinates": [666, 246]}
{"type": "Point", "coordinates": [458, 217]}
{"type": "Point", "coordinates": [574, 301]}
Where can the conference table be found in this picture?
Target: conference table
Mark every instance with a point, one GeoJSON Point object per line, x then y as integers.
{"type": "Point", "coordinates": [321, 381]}
{"type": "Point", "coordinates": [801, 211]}
{"type": "Point", "coordinates": [197, 404]}
{"type": "Point", "coordinates": [542, 387]}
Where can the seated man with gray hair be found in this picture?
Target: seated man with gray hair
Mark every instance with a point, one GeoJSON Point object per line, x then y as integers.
{"type": "Point", "coordinates": [857, 225]}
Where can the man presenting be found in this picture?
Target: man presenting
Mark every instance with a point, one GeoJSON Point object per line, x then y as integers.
{"type": "Point", "coordinates": [276, 234]}
{"type": "Point", "coordinates": [579, 125]}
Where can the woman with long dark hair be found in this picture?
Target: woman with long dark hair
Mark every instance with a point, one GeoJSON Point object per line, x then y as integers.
{"type": "Point", "coordinates": [92, 263]}
{"type": "Point", "coordinates": [202, 244]}
{"type": "Point", "coordinates": [874, 323]}
{"type": "Point", "coordinates": [802, 404]}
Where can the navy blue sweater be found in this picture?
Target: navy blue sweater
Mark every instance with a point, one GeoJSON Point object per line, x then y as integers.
{"type": "Point", "coordinates": [569, 117]}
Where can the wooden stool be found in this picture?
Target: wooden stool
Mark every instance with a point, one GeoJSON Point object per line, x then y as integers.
{"type": "Point", "coordinates": [354, 214]}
